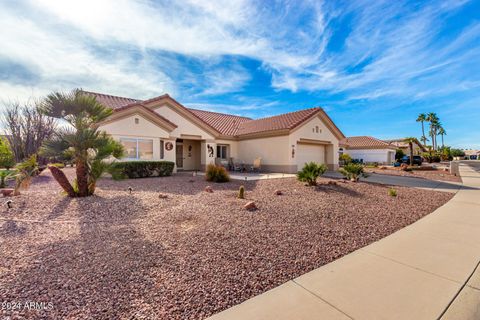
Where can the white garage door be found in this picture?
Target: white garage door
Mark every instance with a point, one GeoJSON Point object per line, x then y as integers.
{"type": "Point", "coordinates": [310, 153]}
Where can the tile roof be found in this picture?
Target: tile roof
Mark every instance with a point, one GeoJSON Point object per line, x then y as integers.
{"type": "Point", "coordinates": [283, 121]}
{"type": "Point", "coordinates": [226, 124]}
{"type": "Point", "coordinates": [365, 142]}
{"type": "Point", "coordinates": [111, 101]}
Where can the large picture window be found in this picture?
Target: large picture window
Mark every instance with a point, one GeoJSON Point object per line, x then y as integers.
{"type": "Point", "coordinates": [222, 152]}
{"type": "Point", "coordinates": [138, 148]}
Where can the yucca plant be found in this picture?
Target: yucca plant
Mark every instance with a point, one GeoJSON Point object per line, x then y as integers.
{"type": "Point", "coordinates": [81, 141]}
{"type": "Point", "coordinates": [310, 172]}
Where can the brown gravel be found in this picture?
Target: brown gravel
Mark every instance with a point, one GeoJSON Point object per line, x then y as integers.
{"type": "Point", "coordinates": [187, 256]}
{"type": "Point", "coordinates": [438, 175]}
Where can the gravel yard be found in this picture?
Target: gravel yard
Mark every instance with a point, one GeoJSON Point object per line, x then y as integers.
{"type": "Point", "coordinates": [439, 175]}
{"type": "Point", "coordinates": [136, 256]}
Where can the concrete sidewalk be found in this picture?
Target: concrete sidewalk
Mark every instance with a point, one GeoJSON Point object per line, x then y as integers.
{"type": "Point", "coordinates": [424, 271]}
{"type": "Point", "coordinates": [413, 182]}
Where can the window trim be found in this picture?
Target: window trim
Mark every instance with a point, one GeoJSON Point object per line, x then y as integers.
{"type": "Point", "coordinates": [136, 140]}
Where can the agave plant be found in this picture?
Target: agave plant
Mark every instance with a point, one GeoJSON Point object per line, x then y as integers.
{"type": "Point", "coordinates": [88, 147]}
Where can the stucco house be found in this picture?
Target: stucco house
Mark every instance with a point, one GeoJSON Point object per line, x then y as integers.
{"type": "Point", "coordinates": [161, 128]}
{"type": "Point", "coordinates": [418, 147]}
{"type": "Point", "coordinates": [368, 149]}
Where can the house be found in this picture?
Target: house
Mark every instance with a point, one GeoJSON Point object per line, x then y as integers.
{"type": "Point", "coordinates": [418, 147]}
{"type": "Point", "coordinates": [161, 128]}
{"type": "Point", "coordinates": [472, 154]}
{"type": "Point", "coordinates": [368, 149]}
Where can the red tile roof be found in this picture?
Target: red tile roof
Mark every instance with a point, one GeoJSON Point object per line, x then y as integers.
{"type": "Point", "coordinates": [226, 124]}
{"type": "Point", "coordinates": [111, 101]}
{"type": "Point", "coordinates": [281, 122]}
{"type": "Point", "coordinates": [365, 142]}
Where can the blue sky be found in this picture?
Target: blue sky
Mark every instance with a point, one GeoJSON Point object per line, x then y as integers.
{"type": "Point", "coordinates": [373, 65]}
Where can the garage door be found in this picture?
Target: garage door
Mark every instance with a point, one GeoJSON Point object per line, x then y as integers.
{"type": "Point", "coordinates": [310, 153]}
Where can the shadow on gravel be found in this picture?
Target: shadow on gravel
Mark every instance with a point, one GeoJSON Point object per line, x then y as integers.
{"type": "Point", "coordinates": [12, 229]}
{"type": "Point", "coordinates": [59, 208]}
{"type": "Point", "coordinates": [337, 189]}
{"type": "Point", "coordinates": [103, 272]}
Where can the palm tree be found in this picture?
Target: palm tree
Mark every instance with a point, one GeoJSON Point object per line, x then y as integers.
{"type": "Point", "coordinates": [442, 132]}
{"type": "Point", "coordinates": [411, 141]}
{"type": "Point", "coordinates": [433, 119]}
{"type": "Point", "coordinates": [422, 117]}
{"type": "Point", "coordinates": [82, 140]}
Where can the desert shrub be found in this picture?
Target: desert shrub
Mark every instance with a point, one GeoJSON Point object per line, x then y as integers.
{"type": "Point", "coordinates": [345, 158]}
{"type": "Point", "coordinates": [457, 153]}
{"type": "Point", "coordinates": [310, 172]}
{"type": "Point", "coordinates": [6, 175]}
{"type": "Point", "coordinates": [141, 169]}
{"type": "Point", "coordinates": [371, 165]}
{"type": "Point", "coordinates": [353, 171]}
{"type": "Point", "coordinates": [59, 165]}
{"type": "Point", "coordinates": [26, 170]}
{"type": "Point", "coordinates": [216, 174]}
{"type": "Point", "coordinates": [7, 158]}
{"type": "Point", "coordinates": [241, 192]}
{"type": "Point", "coordinates": [392, 192]}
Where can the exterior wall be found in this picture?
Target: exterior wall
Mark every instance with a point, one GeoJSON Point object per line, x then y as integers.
{"type": "Point", "coordinates": [184, 126]}
{"type": "Point", "coordinates": [274, 152]}
{"type": "Point", "coordinates": [309, 131]}
{"type": "Point", "coordinates": [128, 128]}
{"type": "Point", "coordinates": [372, 155]}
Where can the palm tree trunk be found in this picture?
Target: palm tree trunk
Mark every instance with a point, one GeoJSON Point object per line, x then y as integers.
{"type": "Point", "coordinates": [443, 146]}
{"type": "Point", "coordinates": [423, 134]}
{"type": "Point", "coordinates": [62, 180]}
{"type": "Point", "coordinates": [82, 178]}
{"type": "Point", "coordinates": [411, 153]}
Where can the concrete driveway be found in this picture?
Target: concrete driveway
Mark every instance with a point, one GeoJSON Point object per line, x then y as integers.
{"type": "Point", "coordinates": [405, 181]}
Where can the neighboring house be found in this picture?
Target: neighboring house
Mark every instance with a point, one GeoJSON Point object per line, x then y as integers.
{"type": "Point", "coordinates": [418, 147]}
{"type": "Point", "coordinates": [472, 154]}
{"type": "Point", "coordinates": [162, 128]}
{"type": "Point", "coordinates": [368, 149]}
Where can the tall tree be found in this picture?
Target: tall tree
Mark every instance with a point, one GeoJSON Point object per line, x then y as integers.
{"type": "Point", "coordinates": [410, 141]}
{"type": "Point", "coordinates": [88, 146]}
{"type": "Point", "coordinates": [432, 118]}
{"type": "Point", "coordinates": [7, 158]}
{"type": "Point", "coordinates": [26, 127]}
{"type": "Point", "coordinates": [422, 117]}
{"type": "Point", "coordinates": [442, 132]}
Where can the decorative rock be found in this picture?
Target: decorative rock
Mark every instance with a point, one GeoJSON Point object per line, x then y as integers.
{"type": "Point", "coordinates": [332, 182]}
{"type": "Point", "coordinates": [278, 192]}
{"type": "Point", "coordinates": [6, 192]}
{"type": "Point", "coordinates": [250, 206]}
{"type": "Point", "coordinates": [191, 180]}
{"type": "Point", "coordinates": [208, 189]}
{"type": "Point", "coordinates": [9, 204]}
{"type": "Point", "coordinates": [162, 196]}
{"type": "Point", "coordinates": [130, 189]}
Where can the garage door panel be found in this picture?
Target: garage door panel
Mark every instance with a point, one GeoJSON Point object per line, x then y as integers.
{"type": "Point", "coordinates": [310, 153]}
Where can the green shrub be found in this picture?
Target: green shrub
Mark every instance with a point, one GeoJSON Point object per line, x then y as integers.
{"type": "Point", "coordinates": [59, 165]}
{"type": "Point", "coordinates": [6, 175]}
{"type": "Point", "coordinates": [241, 192]}
{"type": "Point", "coordinates": [345, 158]}
{"type": "Point", "coordinates": [310, 172]}
{"type": "Point", "coordinates": [216, 174]}
{"type": "Point", "coordinates": [7, 159]}
{"type": "Point", "coordinates": [141, 169]}
{"type": "Point", "coordinates": [392, 192]}
{"type": "Point", "coordinates": [353, 171]}
{"type": "Point", "coordinates": [399, 154]}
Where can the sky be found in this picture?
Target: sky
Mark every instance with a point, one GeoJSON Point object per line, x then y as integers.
{"type": "Point", "coordinates": [372, 65]}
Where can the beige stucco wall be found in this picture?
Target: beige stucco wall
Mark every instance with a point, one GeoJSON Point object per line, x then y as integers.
{"type": "Point", "coordinates": [128, 127]}
{"type": "Point", "coordinates": [308, 131]}
{"type": "Point", "coordinates": [272, 150]}
{"type": "Point", "coordinates": [184, 126]}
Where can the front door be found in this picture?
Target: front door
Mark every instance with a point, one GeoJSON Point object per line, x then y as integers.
{"type": "Point", "coordinates": [179, 155]}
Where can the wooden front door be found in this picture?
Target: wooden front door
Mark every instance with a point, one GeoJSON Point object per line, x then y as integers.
{"type": "Point", "coordinates": [179, 155]}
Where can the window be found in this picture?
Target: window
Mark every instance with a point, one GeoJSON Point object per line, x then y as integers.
{"type": "Point", "coordinates": [138, 148]}
{"type": "Point", "coordinates": [162, 149]}
{"type": "Point", "coordinates": [137, 121]}
{"type": "Point", "coordinates": [222, 152]}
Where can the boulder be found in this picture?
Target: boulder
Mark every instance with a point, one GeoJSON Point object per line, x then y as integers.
{"type": "Point", "coordinates": [278, 192]}
{"type": "Point", "coordinates": [208, 189]}
{"type": "Point", "coordinates": [7, 192]}
{"type": "Point", "coordinates": [250, 206]}
{"type": "Point", "coordinates": [162, 196]}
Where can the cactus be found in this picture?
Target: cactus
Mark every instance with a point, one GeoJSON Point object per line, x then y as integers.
{"type": "Point", "coordinates": [241, 192]}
